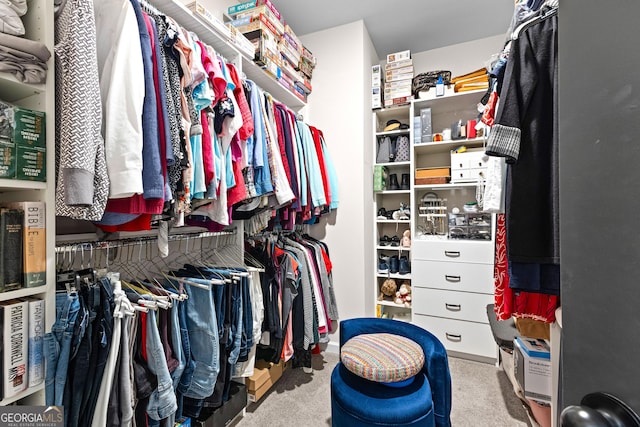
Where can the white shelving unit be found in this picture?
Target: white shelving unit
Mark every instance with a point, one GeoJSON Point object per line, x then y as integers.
{"type": "Point", "coordinates": [453, 278]}
{"type": "Point", "coordinates": [39, 26]}
{"type": "Point", "coordinates": [391, 200]}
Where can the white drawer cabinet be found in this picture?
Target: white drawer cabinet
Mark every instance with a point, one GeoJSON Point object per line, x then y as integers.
{"type": "Point", "coordinates": [452, 304]}
{"type": "Point", "coordinates": [460, 336]}
{"type": "Point", "coordinates": [453, 250]}
{"type": "Point", "coordinates": [454, 276]}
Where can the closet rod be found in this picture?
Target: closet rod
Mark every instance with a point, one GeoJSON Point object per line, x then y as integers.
{"type": "Point", "coordinates": [111, 244]}
{"type": "Point", "coordinates": [149, 7]}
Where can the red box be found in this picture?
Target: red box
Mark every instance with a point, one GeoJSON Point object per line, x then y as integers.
{"type": "Point", "coordinates": [471, 129]}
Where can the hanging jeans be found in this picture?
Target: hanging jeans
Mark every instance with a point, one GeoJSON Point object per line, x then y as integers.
{"type": "Point", "coordinates": [162, 402]}
{"type": "Point", "coordinates": [57, 347]}
{"type": "Point", "coordinates": [203, 341]}
{"type": "Point", "coordinates": [178, 352]}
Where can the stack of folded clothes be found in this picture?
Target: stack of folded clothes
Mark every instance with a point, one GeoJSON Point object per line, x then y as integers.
{"type": "Point", "coordinates": [26, 59]}
{"type": "Point", "coordinates": [476, 80]}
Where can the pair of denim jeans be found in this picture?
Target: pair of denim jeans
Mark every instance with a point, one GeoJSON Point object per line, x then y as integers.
{"type": "Point", "coordinates": [162, 402]}
{"type": "Point", "coordinates": [57, 347]}
{"type": "Point", "coordinates": [95, 323]}
{"type": "Point", "coordinates": [200, 346]}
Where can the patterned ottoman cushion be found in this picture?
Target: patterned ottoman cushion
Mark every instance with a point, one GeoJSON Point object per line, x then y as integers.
{"type": "Point", "coordinates": [384, 358]}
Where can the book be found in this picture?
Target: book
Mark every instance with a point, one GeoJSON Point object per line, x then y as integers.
{"type": "Point", "coordinates": [14, 318]}
{"type": "Point", "coordinates": [34, 243]}
{"type": "Point", "coordinates": [11, 221]}
{"type": "Point", "coordinates": [35, 347]}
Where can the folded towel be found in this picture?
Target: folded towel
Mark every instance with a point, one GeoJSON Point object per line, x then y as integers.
{"type": "Point", "coordinates": [37, 49]}
{"type": "Point", "coordinates": [10, 22]}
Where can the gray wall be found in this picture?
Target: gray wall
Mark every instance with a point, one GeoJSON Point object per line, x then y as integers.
{"type": "Point", "coordinates": [599, 99]}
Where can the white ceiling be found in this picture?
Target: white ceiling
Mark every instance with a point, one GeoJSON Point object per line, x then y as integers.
{"type": "Point", "coordinates": [417, 25]}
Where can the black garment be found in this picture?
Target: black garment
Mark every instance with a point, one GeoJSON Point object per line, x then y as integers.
{"type": "Point", "coordinates": [526, 133]}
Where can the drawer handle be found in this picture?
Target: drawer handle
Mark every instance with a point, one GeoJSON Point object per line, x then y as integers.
{"type": "Point", "coordinates": [453, 337]}
{"type": "Point", "coordinates": [453, 307]}
{"type": "Point", "coordinates": [450, 278]}
{"type": "Point", "coordinates": [452, 254]}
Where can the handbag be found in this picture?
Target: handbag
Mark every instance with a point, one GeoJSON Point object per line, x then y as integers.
{"type": "Point", "coordinates": [402, 148]}
{"type": "Point", "coordinates": [425, 81]}
{"type": "Point", "coordinates": [385, 152]}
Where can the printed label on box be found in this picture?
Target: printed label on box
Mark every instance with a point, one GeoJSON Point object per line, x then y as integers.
{"type": "Point", "coordinates": [31, 163]}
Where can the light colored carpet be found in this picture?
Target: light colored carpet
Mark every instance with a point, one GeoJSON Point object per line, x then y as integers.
{"type": "Point", "coordinates": [482, 397]}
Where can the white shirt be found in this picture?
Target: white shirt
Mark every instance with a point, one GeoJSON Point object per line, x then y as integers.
{"type": "Point", "coordinates": [122, 89]}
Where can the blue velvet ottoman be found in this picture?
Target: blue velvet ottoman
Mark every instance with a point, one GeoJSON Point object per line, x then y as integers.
{"type": "Point", "coordinates": [423, 400]}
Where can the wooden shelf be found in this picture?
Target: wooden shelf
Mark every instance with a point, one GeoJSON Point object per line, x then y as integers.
{"type": "Point", "coordinates": [19, 396]}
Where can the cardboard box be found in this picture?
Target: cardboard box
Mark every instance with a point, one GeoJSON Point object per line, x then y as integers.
{"type": "Point", "coordinates": [265, 375]}
{"type": "Point", "coordinates": [22, 143]}
{"type": "Point", "coordinates": [399, 56]}
{"type": "Point", "coordinates": [215, 21]}
{"type": "Point", "coordinates": [532, 365]}
{"type": "Point", "coordinates": [432, 172]}
{"type": "Point", "coordinates": [397, 101]}
{"type": "Point", "coordinates": [22, 126]}
{"type": "Point", "coordinates": [433, 180]}
{"type": "Point", "coordinates": [398, 64]}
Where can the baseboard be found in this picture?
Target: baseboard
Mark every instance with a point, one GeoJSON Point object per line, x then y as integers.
{"type": "Point", "coordinates": [333, 347]}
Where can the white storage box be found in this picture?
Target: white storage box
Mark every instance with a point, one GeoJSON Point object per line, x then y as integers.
{"type": "Point", "coordinates": [532, 364]}
{"type": "Point", "coordinates": [469, 165]}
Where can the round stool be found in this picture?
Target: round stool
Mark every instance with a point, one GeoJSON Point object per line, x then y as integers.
{"type": "Point", "coordinates": [380, 382]}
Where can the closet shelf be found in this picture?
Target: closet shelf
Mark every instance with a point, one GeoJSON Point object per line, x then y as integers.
{"type": "Point", "coordinates": [393, 191]}
{"type": "Point", "coordinates": [209, 35]}
{"type": "Point", "coordinates": [438, 147]}
{"type": "Point", "coordinates": [27, 392]}
{"type": "Point", "coordinates": [444, 186]}
{"type": "Point", "coordinates": [22, 292]}
{"type": "Point", "coordinates": [394, 248]}
{"type": "Point", "coordinates": [393, 221]}
{"type": "Point", "coordinates": [17, 184]}
{"type": "Point", "coordinates": [393, 132]}
{"type": "Point", "coordinates": [391, 164]}
{"type": "Point", "coordinates": [206, 32]}
{"type": "Point", "coordinates": [392, 304]}
{"type": "Point", "coordinates": [14, 90]}
{"type": "Point", "coordinates": [451, 101]}
{"type": "Point", "coordinates": [394, 276]}
{"type": "Point", "coordinates": [269, 84]}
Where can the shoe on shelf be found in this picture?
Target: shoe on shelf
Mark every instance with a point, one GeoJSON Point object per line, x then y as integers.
{"type": "Point", "coordinates": [393, 182]}
{"type": "Point", "coordinates": [385, 240]}
{"type": "Point", "coordinates": [383, 265]}
{"type": "Point", "coordinates": [395, 241]}
{"type": "Point", "coordinates": [404, 183]}
{"type": "Point", "coordinates": [393, 264]}
{"type": "Point", "coordinates": [382, 213]}
{"type": "Point", "coordinates": [404, 267]}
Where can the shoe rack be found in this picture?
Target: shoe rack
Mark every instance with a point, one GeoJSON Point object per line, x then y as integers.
{"type": "Point", "coordinates": [392, 217]}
